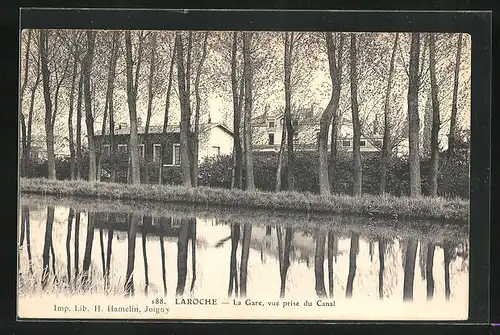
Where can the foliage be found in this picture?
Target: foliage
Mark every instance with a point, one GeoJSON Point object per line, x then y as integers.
{"type": "Point", "coordinates": [400, 208]}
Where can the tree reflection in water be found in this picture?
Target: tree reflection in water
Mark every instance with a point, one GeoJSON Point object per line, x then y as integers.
{"type": "Point", "coordinates": [283, 255]}
{"type": "Point", "coordinates": [233, 270]}
{"type": "Point", "coordinates": [353, 253]}
{"type": "Point", "coordinates": [245, 252]}
{"type": "Point", "coordinates": [133, 220]}
{"type": "Point", "coordinates": [319, 260]}
{"type": "Point", "coordinates": [47, 246]}
{"type": "Point", "coordinates": [409, 268]}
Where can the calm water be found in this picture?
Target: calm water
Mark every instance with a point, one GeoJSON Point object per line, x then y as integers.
{"type": "Point", "coordinates": [66, 251]}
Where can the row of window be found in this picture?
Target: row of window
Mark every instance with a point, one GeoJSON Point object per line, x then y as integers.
{"type": "Point", "coordinates": [362, 143]}
{"type": "Point", "coordinates": [270, 139]}
{"type": "Point", "coordinates": [272, 124]}
{"type": "Point", "coordinates": [176, 148]}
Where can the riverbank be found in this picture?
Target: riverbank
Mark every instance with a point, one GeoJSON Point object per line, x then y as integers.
{"type": "Point", "coordinates": [367, 205]}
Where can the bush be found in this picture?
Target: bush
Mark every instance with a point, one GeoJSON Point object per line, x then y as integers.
{"type": "Point", "coordinates": [453, 175]}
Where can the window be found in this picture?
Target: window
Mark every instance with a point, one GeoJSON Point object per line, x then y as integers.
{"type": "Point", "coordinates": [122, 148]}
{"type": "Point", "coordinates": [216, 151]}
{"type": "Point", "coordinates": [141, 150]}
{"type": "Point", "coordinates": [362, 143]}
{"type": "Point", "coordinates": [295, 137]}
{"type": "Point", "coordinates": [346, 143]}
{"type": "Point", "coordinates": [156, 152]}
{"type": "Point", "coordinates": [295, 123]}
{"type": "Point", "coordinates": [271, 124]}
{"type": "Point", "coordinates": [271, 139]}
{"type": "Point", "coordinates": [177, 154]}
{"type": "Point", "coordinates": [378, 143]}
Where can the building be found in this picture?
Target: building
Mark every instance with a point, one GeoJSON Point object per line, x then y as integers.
{"type": "Point", "coordinates": [268, 130]}
{"type": "Point", "coordinates": [214, 139]}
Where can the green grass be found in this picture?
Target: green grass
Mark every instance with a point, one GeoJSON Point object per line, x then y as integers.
{"type": "Point", "coordinates": [400, 208]}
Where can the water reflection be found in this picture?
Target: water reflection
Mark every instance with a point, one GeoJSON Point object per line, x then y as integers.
{"type": "Point", "coordinates": [258, 260]}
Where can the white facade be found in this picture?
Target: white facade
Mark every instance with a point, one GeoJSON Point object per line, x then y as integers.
{"type": "Point", "coordinates": [215, 140]}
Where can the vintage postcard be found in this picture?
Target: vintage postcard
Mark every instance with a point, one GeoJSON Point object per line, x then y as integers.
{"type": "Point", "coordinates": [257, 175]}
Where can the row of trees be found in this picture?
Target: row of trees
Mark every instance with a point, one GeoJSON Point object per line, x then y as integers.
{"type": "Point", "coordinates": [242, 68]}
{"type": "Point", "coordinates": [239, 235]}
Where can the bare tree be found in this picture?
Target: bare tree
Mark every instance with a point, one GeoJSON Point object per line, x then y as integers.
{"type": "Point", "coordinates": [89, 120]}
{"type": "Point", "coordinates": [247, 77]}
{"type": "Point", "coordinates": [199, 71]}
{"type": "Point", "coordinates": [289, 44]}
{"type": "Point", "coordinates": [413, 117]}
{"type": "Point", "coordinates": [335, 64]}
{"type": "Point", "coordinates": [109, 108]}
{"type": "Point", "coordinates": [453, 135]}
{"type": "Point", "coordinates": [237, 91]}
{"type": "Point", "coordinates": [435, 119]}
{"type": "Point", "coordinates": [24, 143]}
{"type": "Point", "coordinates": [387, 124]}
{"type": "Point", "coordinates": [132, 85]}
{"type": "Point", "coordinates": [356, 154]}
{"type": "Point", "coordinates": [185, 113]}
{"type": "Point", "coordinates": [50, 110]}
{"type": "Point", "coordinates": [166, 113]}
{"type": "Point", "coordinates": [152, 70]}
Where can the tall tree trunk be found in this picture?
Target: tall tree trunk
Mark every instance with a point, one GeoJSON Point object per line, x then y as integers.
{"type": "Point", "coordinates": [185, 114]}
{"type": "Point", "coordinates": [319, 261]}
{"type": "Point", "coordinates": [387, 122]}
{"type": "Point", "coordinates": [288, 108]}
{"type": "Point", "coordinates": [152, 71]}
{"type": "Point", "coordinates": [332, 164]}
{"type": "Point", "coordinates": [72, 152]}
{"type": "Point", "coordinates": [24, 157]}
{"type": "Point", "coordinates": [89, 120]}
{"type": "Point", "coordinates": [247, 77]}
{"type": "Point", "coordinates": [49, 127]}
{"type": "Point", "coordinates": [356, 154]}
{"type": "Point", "coordinates": [79, 156]}
{"type": "Point", "coordinates": [132, 105]}
{"type": "Point", "coordinates": [108, 106]}
{"type": "Point", "coordinates": [429, 264]}
{"type": "Point", "coordinates": [245, 252]}
{"type": "Point", "coordinates": [409, 269]}
{"type": "Point", "coordinates": [27, 151]}
{"type": "Point", "coordinates": [452, 136]}
{"type": "Point", "coordinates": [413, 117]}
{"type": "Point", "coordinates": [165, 116]}
{"type": "Point", "coordinates": [335, 64]}
{"type": "Point", "coordinates": [46, 245]}
{"type": "Point", "coordinates": [194, 164]}
{"type": "Point", "coordinates": [281, 155]}
{"type": "Point", "coordinates": [353, 253]}
{"type": "Point", "coordinates": [238, 159]}
{"type": "Point", "coordinates": [435, 119]}
{"type": "Point", "coordinates": [111, 86]}
{"type": "Point", "coordinates": [133, 220]}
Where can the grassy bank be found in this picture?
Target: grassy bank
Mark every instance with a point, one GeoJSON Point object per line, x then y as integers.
{"type": "Point", "coordinates": [386, 206]}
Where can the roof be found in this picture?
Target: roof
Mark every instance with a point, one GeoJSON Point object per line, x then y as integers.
{"type": "Point", "coordinates": [124, 129]}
